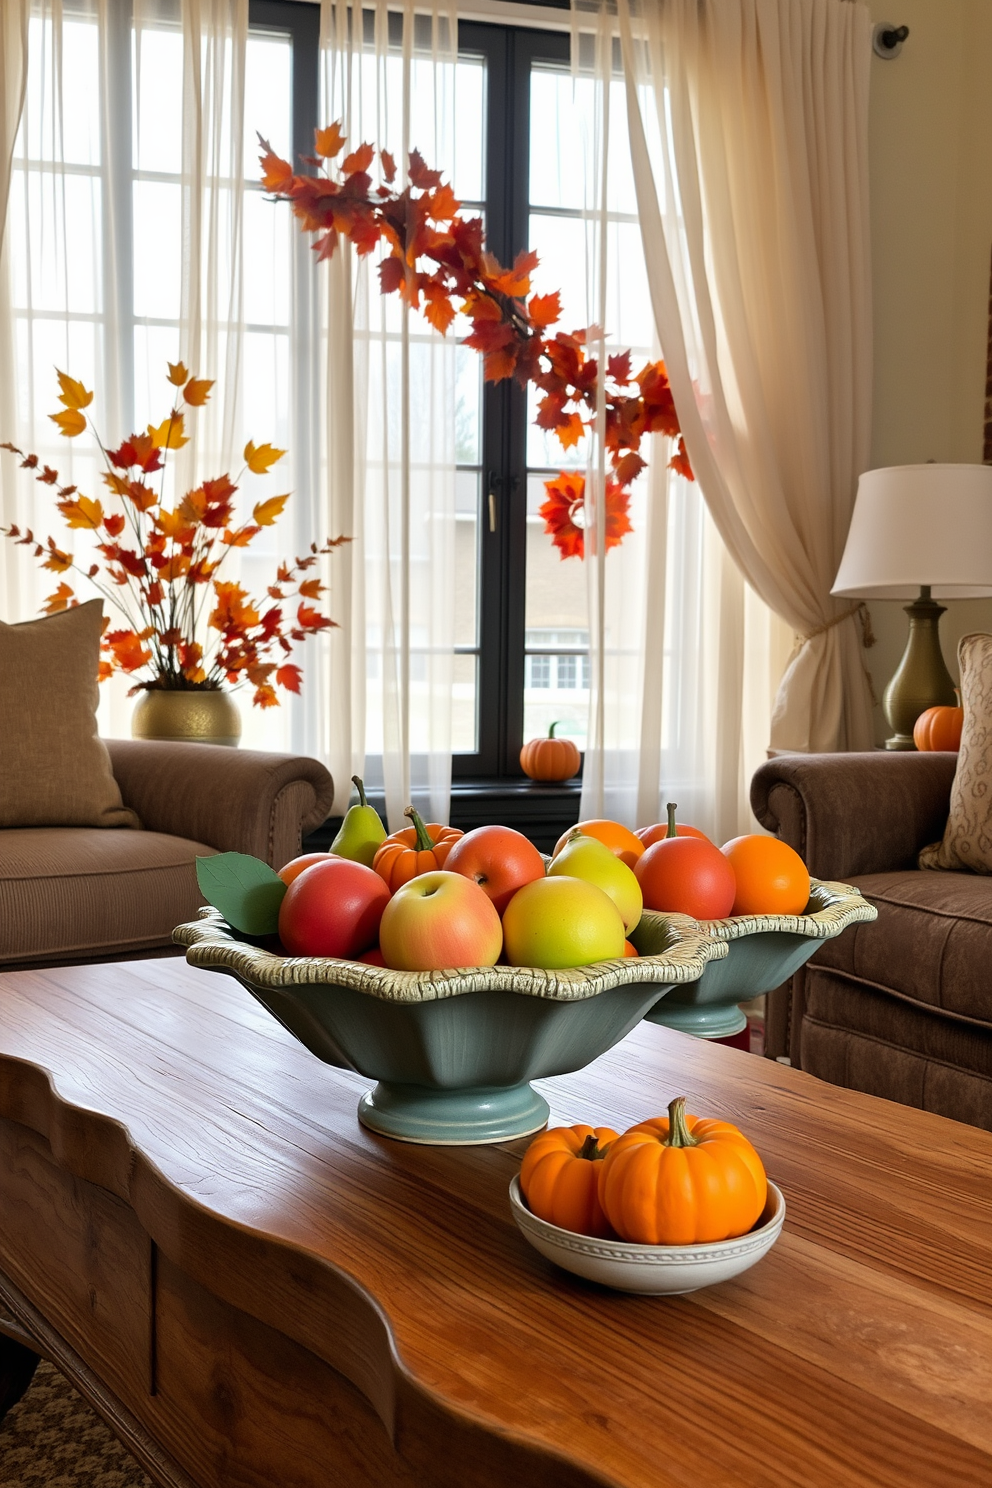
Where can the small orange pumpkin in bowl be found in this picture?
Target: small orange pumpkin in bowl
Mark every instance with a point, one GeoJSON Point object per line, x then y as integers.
{"type": "Point", "coordinates": [550, 758]}
{"type": "Point", "coordinates": [559, 1177]}
{"type": "Point", "coordinates": [682, 1180]}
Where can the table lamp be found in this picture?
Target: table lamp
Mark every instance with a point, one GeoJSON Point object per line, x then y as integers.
{"type": "Point", "coordinates": [925, 528]}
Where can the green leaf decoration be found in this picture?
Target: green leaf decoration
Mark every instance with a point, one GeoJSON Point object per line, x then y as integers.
{"type": "Point", "coordinates": [247, 891]}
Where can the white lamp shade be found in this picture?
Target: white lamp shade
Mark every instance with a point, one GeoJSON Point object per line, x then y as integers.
{"type": "Point", "coordinates": [920, 524]}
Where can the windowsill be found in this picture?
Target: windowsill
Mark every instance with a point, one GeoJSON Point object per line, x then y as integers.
{"type": "Point", "coordinates": [541, 809]}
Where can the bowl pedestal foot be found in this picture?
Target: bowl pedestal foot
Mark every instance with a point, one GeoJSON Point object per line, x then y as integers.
{"type": "Point", "coordinates": [713, 1020]}
{"type": "Point", "coordinates": [452, 1118]}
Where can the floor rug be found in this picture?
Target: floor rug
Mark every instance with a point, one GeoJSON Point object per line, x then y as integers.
{"type": "Point", "coordinates": [52, 1439]}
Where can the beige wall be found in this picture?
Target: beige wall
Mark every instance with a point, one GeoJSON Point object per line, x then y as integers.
{"type": "Point", "coordinates": [931, 185]}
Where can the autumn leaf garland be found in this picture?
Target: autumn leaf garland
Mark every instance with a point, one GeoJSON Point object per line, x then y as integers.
{"type": "Point", "coordinates": [161, 565]}
{"type": "Point", "coordinates": [433, 258]}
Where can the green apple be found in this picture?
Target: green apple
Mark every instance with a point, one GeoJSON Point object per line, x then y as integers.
{"type": "Point", "coordinates": [590, 859]}
{"type": "Point", "coordinates": [558, 922]}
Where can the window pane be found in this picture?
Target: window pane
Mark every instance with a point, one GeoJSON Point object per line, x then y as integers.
{"type": "Point", "coordinates": [157, 249]}
{"type": "Point", "coordinates": [467, 501]}
{"type": "Point", "coordinates": [465, 712]}
{"type": "Point", "coordinates": [268, 97]}
{"type": "Point", "coordinates": [158, 111]}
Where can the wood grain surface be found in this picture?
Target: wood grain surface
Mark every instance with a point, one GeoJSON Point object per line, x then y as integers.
{"type": "Point", "coordinates": [189, 1200]}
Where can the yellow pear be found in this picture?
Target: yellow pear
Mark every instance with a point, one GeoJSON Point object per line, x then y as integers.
{"type": "Point", "coordinates": [590, 859]}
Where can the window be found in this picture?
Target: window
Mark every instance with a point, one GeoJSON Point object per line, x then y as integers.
{"type": "Point", "coordinates": [521, 641]}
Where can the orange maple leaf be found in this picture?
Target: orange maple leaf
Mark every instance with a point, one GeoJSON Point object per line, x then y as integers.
{"type": "Point", "coordinates": [259, 460]}
{"type": "Point", "coordinates": [544, 310]}
{"type": "Point", "coordinates": [267, 512]}
{"type": "Point", "coordinates": [70, 421]}
{"type": "Point", "coordinates": [177, 373]}
{"type": "Point", "coordinates": [289, 676]}
{"type": "Point", "coordinates": [197, 391]}
{"type": "Point", "coordinates": [277, 174]}
{"type": "Point", "coordinates": [328, 142]}
{"type": "Point", "coordinates": [82, 512]}
{"type": "Point", "coordinates": [358, 160]}
{"type": "Point", "coordinates": [73, 394]}
{"type": "Point", "coordinates": [60, 600]}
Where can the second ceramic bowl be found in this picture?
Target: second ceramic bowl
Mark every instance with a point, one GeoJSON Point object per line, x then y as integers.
{"type": "Point", "coordinates": [652, 1270]}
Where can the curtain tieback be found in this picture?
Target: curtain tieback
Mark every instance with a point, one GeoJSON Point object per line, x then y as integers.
{"type": "Point", "coordinates": [860, 610]}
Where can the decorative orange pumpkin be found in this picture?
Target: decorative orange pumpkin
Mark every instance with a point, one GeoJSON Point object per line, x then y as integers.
{"type": "Point", "coordinates": [560, 1174]}
{"type": "Point", "coordinates": [939, 728]}
{"type": "Point", "coordinates": [682, 1180]}
{"type": "Point", "coordinates": [550, 758]}
{"type": "Point", "coordinates": [621, 841]}
{"type": "Point", "coordinates": [414, 850]}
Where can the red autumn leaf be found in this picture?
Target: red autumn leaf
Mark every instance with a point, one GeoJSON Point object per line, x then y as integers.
{"type": "Point", "coordinates": [420, 176]}
{"type": "Point", "coordinates": [142, 496]}
{"type": "Point", "coordinates": [388, 166]}
{"type": "Point", "coordinates": [629, 468]}
{"type": "Point", "coordinates": [127, 650]}
{"type": "Point", "coordinates": [619, 368]}
{"type": "Point", "coordinates": [443, 204]}
{"type": "Point", "coordinates": [289, 676]}
{"type": "Point", "coordinates": [48, 476]}
{"type": "Point", "coordinates": [138, 450]}
{"type": "Point", "coordinates": [311, 619]}
{"type": "Point", "coordinates": [391, 275]}
{"type": "Point", "coordinates": [680, 461]}
{"type": "Point", "coordinates": [311, 589]}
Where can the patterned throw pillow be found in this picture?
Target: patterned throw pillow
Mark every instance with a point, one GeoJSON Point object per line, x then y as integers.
{"type": "Point", "coordinates": [54, 770]}
{"type": "Point", "coordinates": [967, 841]}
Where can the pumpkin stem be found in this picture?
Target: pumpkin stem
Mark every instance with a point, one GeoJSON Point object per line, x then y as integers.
{"type": "Point", "coordinates": [551, 730]}
{"type": "Point", "coordinates": [673, 830]}
{"type": "Point", "coordinates": [679, 1134]}
{"type": "Point", "coordinates": [423, 842]}
{"type": "Point", "coordinates": [591, 1149]}
{"type": "Point", "coordinates": [356, 780]}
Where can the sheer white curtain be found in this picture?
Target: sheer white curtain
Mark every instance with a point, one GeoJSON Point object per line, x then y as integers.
{"type": "Point", "coordinates": [684, 658]}
{"type": "Point", "coordinates": [125, 248]}
{"type": "Point", "coordinates": [390, 430]}
{"type": "Point", "coordinates": [749, 146]}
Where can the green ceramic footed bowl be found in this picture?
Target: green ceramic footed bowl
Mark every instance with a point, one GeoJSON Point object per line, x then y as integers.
{"type": "Point", "coordinates": [764, 950]}
{"type": "Point", "coordinates": [454, 1052]}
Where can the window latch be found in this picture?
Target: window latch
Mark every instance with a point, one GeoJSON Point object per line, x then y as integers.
{"type": "Point", "coordinates": [495, 481]}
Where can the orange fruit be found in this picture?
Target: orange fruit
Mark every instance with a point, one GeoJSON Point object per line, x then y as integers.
{"type": "Point", "coordinates": [620, 840]}
{"type": "Point", "coordinates": [771, 876]}
{"type": "Point", "coordinates": [296, 866]}
{"type": "Point", "coordinates": [630, 950]}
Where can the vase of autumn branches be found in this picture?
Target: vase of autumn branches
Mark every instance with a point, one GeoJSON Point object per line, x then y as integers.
{"type": "Point", "coordinates": [189, 632]}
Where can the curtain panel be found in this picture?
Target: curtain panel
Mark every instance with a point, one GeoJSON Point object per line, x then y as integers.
{"type": "Point", "coordinates": [685, 658]}
{"type": "Point", "coordinates": [748, 129]}
{"type": "Point", "coordinates": [389, 74]}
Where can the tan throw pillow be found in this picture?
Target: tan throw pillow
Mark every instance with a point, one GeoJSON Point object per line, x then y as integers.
{"type": "Point", "coordinates": [967, 841]}
{"type": "Point", "coordinates": [54, 770]}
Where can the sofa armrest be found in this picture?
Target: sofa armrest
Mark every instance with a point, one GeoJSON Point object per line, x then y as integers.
{"type": "Point", "coordinates": [848, 814]}
{"type": "Point", "coordinates": [236, 800]}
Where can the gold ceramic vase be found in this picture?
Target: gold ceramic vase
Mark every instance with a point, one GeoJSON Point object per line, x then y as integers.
{"type": "Point", "coordinates": [201, 715]}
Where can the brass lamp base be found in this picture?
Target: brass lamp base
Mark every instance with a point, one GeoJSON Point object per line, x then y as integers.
{"type": "Point", "coordinates": [921, 680]}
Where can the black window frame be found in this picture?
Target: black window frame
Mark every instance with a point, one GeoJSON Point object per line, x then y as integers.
{"type": "Point", "coordinates": [510, 52]}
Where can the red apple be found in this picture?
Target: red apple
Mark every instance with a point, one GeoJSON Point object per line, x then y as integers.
{"type": "Point", "coordinates": [440, 920]}
{"type": "Point", "coordinates": [687, 875]}
{"type": "Point", "coordinates": [499, 859]}
{"type": "Point", "coordinates": [332, 909]}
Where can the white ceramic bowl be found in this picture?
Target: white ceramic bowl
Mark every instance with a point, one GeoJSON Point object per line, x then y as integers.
{"type": "Point", "coordinates": [652, 1270]}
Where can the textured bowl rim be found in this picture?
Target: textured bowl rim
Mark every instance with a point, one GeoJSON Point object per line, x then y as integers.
{"type": "Point", "coordinates": [840, 905]}
{"type": "Point", "coordinates": [211, 944]}
{"type": "Point", "coordinates": [651, 1255]}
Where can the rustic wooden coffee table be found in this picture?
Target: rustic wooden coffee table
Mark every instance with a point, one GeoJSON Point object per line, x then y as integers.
{"type": "Point", "coordinates": [254, 1290]}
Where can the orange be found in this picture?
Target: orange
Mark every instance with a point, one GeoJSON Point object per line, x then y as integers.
{"type": "Point", "coordinates": [620, 840]}
{"type": "Point", "coordinates": [771, 876]}
{"type": "Point", "coordinates": [297, 866]}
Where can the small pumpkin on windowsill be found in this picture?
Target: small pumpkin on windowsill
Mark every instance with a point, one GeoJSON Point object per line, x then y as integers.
{"type": "Point", "coordinates": [550, 758]}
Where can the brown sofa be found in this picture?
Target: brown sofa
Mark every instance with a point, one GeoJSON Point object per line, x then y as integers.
{"type": "Point", "coordinates": [901, 1008]}
{"type": "Point", "coordinates": [71, 894]}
